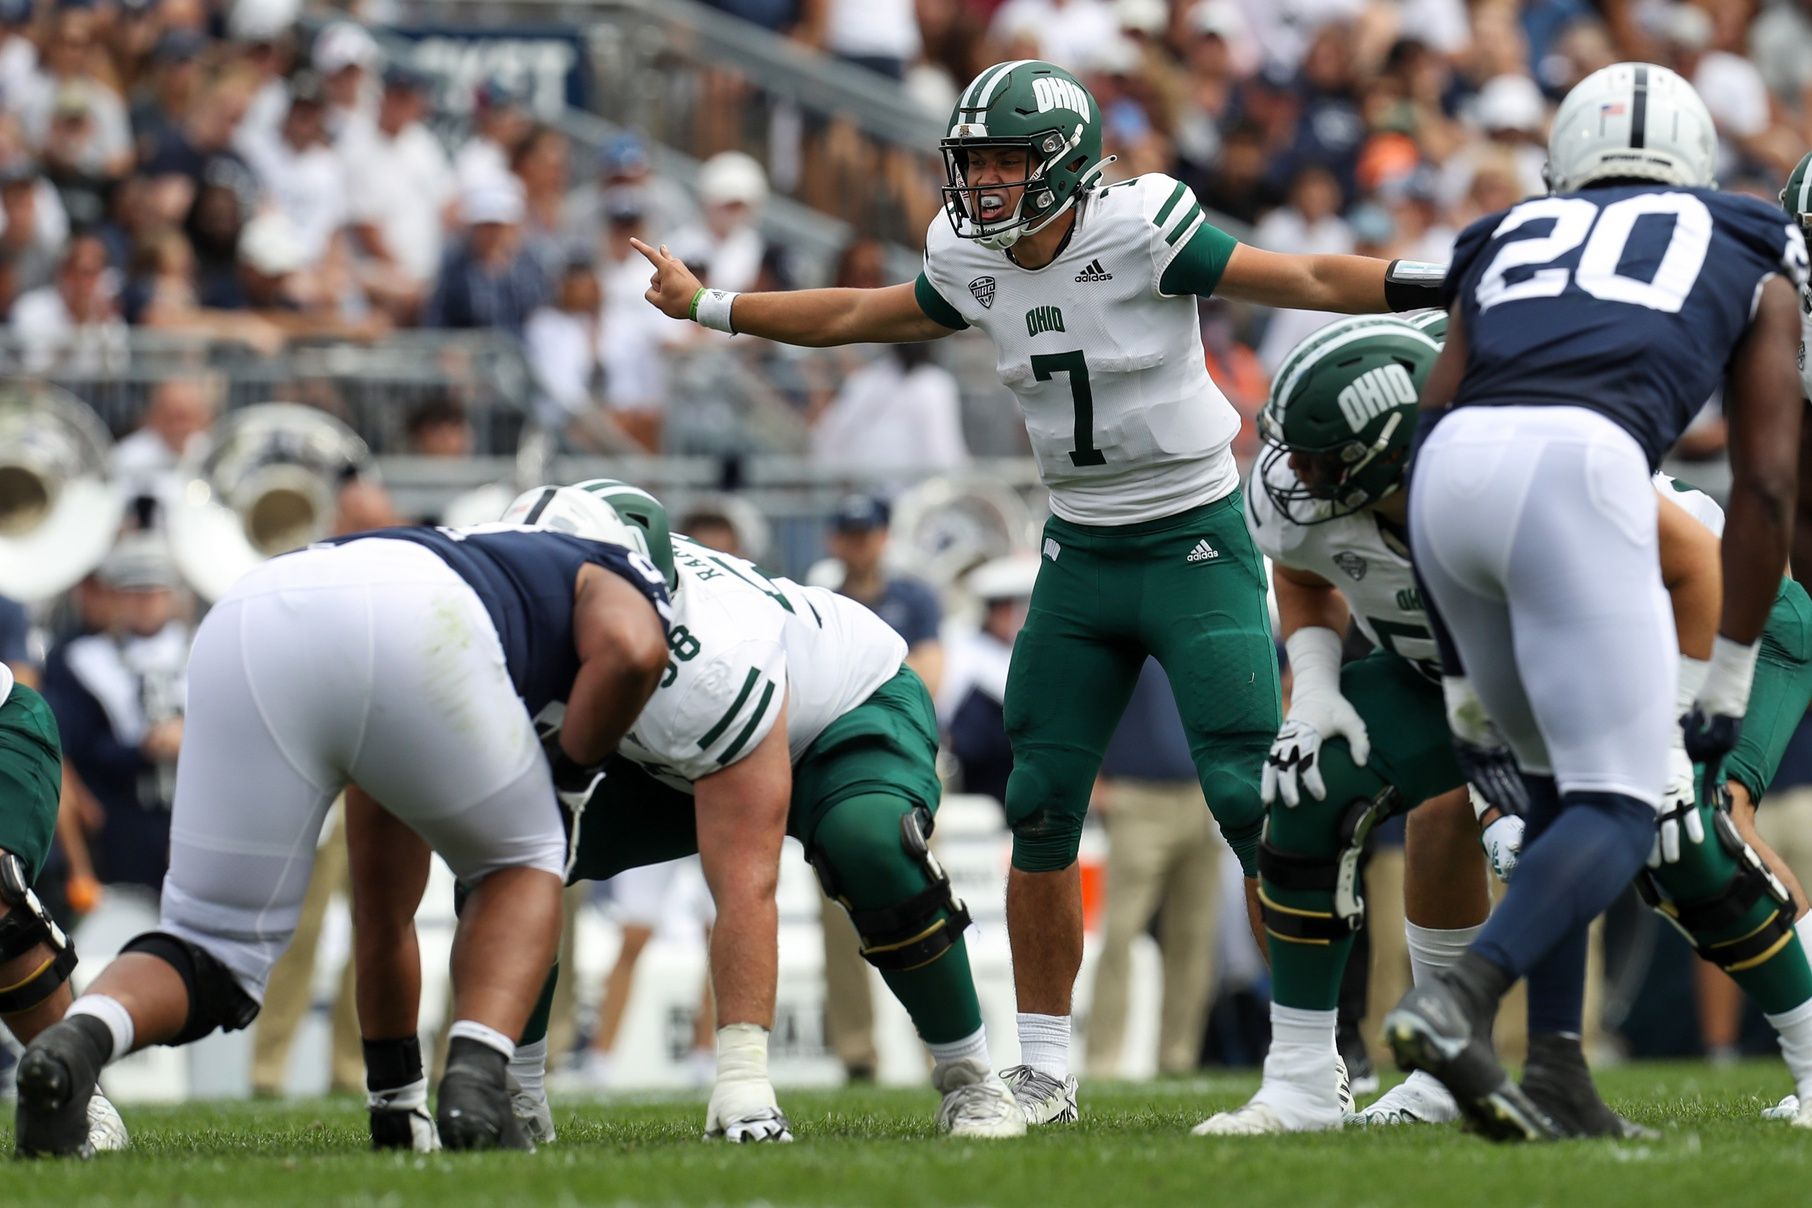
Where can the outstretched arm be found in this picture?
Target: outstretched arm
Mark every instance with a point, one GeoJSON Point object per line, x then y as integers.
{"type": "Point", "coordinates": [1354, 285]}
{"type": "Point", "coordinates": [813, 318]}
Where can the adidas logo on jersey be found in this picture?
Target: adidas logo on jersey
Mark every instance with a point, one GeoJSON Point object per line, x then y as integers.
{"type": "Point", "coordinates": [1203, 552]}
{"type": "Point", "coordinates": [1094, 272]}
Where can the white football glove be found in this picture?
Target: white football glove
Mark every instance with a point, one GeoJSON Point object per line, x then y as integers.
{"type": "Point", "coordinates": [1679, 812]}
{"type": "Point", "coordinates": [1502, 837]}
{"type": "Point", "coordinates": [1318, 712]}
{"type": "Point", "coordinates": [743, 1107]}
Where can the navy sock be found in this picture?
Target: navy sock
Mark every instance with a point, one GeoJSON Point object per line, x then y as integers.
{"type": "Point", "coordinates": [1557, 987]}
{"type": "Point", "coordinates": [1567, 877]}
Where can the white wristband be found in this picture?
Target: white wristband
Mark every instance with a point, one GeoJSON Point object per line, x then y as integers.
{"type": "Point", "coordinates": [711, 308]}
{"type": "Point", "coordinates": [1314, 652]}
{"type": "Point", "coordinates": [1725, 692]}
{"type": "Point", "coordinates": [1691, 680]}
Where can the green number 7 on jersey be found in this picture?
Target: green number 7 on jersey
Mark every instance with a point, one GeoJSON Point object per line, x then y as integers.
{"type": "Point", "coordinates": [1044, 365]}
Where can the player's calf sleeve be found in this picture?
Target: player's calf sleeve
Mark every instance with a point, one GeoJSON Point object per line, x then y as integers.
{"type": "Point", "coordinates": [1556, 987]}
{"type": "Point", "coordinates": [1567, 877]}
{"type": "Point", "coordinates": [872, 858]}
{"type": "Point", "coordinates": [536, 1027]}
{"type": "Point", "coordinates": [1735, 913]}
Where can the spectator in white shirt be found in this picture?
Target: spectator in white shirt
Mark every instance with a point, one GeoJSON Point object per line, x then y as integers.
{"type": "Point", "coordinates": [565, 346]}
{"type": "Point", "coordinates": [1731, 86]}
{"type": "Point", "coordinates": [144, 463]}
{"type": "Point", "coordinates": [1066, 32]}
{"type": "Point", "coordinates": [881, 35]}
{"type": "Point", "coordinates": [899, 414]}
{"type": "Point", "coordinates": [263, 32]}
{"type": "Point", "coordinates": [405, 201]}
{"type": "Point", "coordinates": [346, 56]}
{"type": "Point", "coordinates": [726, 250]}
{"type": "Point", "coordinates": [73, 324]}
{"type": "Point", "coordinates": [32, 233]}
{"type": "Point", "coordinates": [500, 121]}
{"type": "Point", "coordinates": [300, 172]}
{"type": "Point", "coordinates": [67, 79]}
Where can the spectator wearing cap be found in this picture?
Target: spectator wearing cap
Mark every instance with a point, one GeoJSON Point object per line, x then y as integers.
{"type": "Point", "coordinates": [68, 100]}
{"type": "Point", "coordinates": [275, 283]}
{"type": "Point", "coordinates": [32, 232]}
{"type": "Point", "coordinates": [162, 294]}
{"type": "Point", "coordinates": [487, 280]}
{"type": "Point", "coordinates": [405, 201]}
{"type": "Point", "coordinates": [858, 543]}
{"type": "Point", "coordinates": [300, 173]}
{"type": "Point", "coordinates": [971, 706]}
{"type": "Point", "coordinates": [346, 57]}
{"type": "Point", "coordinates": [898, 418]}
{"type": "Point", "coordinates": [565, 345]}
{"type": "Point", "coordinates": [73, 324]}
{"type": "Point", "coordinates": [118, 694]}
{"type": "Point", "coordinates": [726, 250]}
{"type": "Point", "coordinates": [162, 107]}
{"type": "Point", "coordinates": [1163, 862]}
{"type": "Point", "coordinates": [263, 31]}
{"type": "Point", "coordinates": [500, 121]}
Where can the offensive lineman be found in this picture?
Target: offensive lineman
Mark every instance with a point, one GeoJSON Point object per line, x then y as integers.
{"type": "Point", "coordinates": [1089, 295]}
{"type": "Point", "coordinates": [411, 662]}
{"type": "Point", "coordinates": [1586, 329]}
{"type": "Point", "coordinates": [783, 710]}
{"type": "Point", "coordinates": [1368, 739]}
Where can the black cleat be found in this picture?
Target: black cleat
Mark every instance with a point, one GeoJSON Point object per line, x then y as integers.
{"type": "Point", "coordinates": [1430, 1029]}
{"type": "Point", "coordinates": [1556, 1080]}
{"type": "Point", "coordinates": [57, 1077]}
{"type": "Point", "coordinates": [474, 1113]}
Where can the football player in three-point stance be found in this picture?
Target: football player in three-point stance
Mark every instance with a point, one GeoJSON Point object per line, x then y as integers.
{"type": "Point", "coordinates": [783, 710]}
{"type": "Point", "coordinates": [1586, 329]}
{"type": "Point", "coordinates": [1369, 739]}
{"type": "Point", "coordinates": [1088, 293]}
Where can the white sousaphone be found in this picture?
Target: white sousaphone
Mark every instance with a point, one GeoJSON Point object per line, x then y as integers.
{"type": "Point", "coordinates": [263, 481]}
{"type": "Point", "coordinates": [59, 514]}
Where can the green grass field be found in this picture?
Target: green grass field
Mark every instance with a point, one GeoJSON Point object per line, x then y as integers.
{"type": "Point", "coordinates": [876, 1147]}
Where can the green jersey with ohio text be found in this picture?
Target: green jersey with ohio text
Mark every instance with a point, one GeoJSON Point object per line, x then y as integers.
{"type": "Point", "coordinates": [742, 645]}
{"type": "Point", "coordinates": [1360, 554]}
{"type": "Point", "coordinates": [1103, 350]}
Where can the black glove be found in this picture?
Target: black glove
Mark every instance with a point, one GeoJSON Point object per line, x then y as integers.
{"type": "Point", "coordinates": [1493, 772]}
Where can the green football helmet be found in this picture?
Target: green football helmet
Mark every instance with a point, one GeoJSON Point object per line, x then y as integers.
{"type": "Point", "coordinates": [1428, 322]}
{"type": "Point", "coordinates": [1344, 403]}
{"type": "Point", "coordinates": [1029, 105]}
{"type": "Point", "coordinates": [1796, 198]}
{"type": "Point", "coordinates": [645, 512]}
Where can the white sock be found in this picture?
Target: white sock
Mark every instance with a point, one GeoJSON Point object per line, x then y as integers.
{"type": "Point", "coordinates": [491, 1038]}
{"type": "Point", "coordinates": [1795, 1030]}
{"type": "Point", "coordinates": [1296, 1028]}
{"type": "Point", "coordinates": [1432, 949]}
{"type": "Point", "coordinates": [113, 1014]}
{"type": "Point", "coordinates": [528, 1066]}
{"type": "Point", "coordinates": [1044, 1043]}
{"type": "Point", "coordinates": [1804, 927]}
{"type": "Point", "coordinates": [973, 1047]}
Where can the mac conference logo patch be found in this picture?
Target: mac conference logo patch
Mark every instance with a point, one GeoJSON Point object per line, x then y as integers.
{"type": "Point", "coordinates": [983, 289]}
{"type": "Point", "coordinates": [1351, 563]}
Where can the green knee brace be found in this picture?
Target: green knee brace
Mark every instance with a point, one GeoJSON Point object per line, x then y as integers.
{"type": "Point", "coordinates": [1722, 898]}
{"type": "Point", "coordinates": [883, 873]}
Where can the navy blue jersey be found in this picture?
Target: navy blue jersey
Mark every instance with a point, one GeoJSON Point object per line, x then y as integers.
{"type": "Point", "coordinates": [526, 577]}
{"type": "Point", "coordinates": [1627, 300]}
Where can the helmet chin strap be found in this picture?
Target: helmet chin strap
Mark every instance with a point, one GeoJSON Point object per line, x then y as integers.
{"type": "Point", "coordinates": [1005, 239]}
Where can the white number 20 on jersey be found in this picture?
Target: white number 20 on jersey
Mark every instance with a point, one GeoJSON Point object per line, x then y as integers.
{"type": "Point", "coordinates": [1605, 232]}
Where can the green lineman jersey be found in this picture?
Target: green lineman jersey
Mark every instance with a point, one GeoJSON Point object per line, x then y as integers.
{"type": "Point", "coordinates": [1103, 350]}
{"type": "Point", "coordinates": [743, 645]}
{"type": "Point", "coordinates": [31, 774]}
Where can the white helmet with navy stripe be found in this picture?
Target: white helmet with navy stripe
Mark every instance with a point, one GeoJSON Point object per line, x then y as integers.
{"type": "Point", "coordinates": [575, 511]}
{"type": "Point", "coordinates": [1632, 121]}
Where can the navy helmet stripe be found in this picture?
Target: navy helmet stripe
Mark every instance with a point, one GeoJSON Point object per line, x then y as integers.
{"type": "Point", "coordinates": [1639, 110]}
{"type": "Point", "coordinates": [547, 497]}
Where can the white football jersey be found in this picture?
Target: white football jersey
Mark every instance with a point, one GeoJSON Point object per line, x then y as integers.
{"type": "Point", "coordinates": [1805, 340]}
{"type": "Point", "coordinates": [1109, 372]}
{"type": "Point", "coordinates": [741, 646]}
{"type": "Point", "coordinates": [1371, 566]}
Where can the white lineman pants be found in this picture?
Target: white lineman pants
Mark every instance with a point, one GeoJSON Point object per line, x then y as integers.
{"type": "Point", "coordinates": [371, 663]}
{"type": "Point", "coordinates": [1534, 531]}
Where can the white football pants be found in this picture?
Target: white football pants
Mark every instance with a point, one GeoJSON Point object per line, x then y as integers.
{"type": "Point", "coordinates": [371, 663]}
{"type": "Point", "coordinates": [1534, 531]}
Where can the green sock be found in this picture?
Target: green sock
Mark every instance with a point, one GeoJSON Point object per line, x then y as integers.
{"type": "Point", "coordinates": [940, 996]}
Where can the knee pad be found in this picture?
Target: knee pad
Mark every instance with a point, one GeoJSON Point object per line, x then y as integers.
{"type": "Point", "coordinates": [25, 927]}
{"type": "Point", "coordinates": [1322, 868]}
{"type": "Point", "coordinates": [215, 997]}
{"type": "Point", "coordinates": [1736, 927]}
{"type": "Point", "coordinates": [906, 933]}
{"type": "Point", "coordinates": [1045, 808]}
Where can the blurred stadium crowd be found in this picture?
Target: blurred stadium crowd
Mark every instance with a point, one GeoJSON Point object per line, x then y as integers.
{"type": "Point", "coordinates": [238, 180]}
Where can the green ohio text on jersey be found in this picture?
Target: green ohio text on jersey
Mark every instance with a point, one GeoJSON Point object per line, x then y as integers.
{"type": "Point", "coordinates": [742, 646]}
{"type": "Point", "coordinates": [1103, 350]}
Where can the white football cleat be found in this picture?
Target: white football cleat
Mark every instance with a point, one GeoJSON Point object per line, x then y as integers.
{"type": "Point", "coordinates": [1042, 1098]}
{"type": "Point", "coordinates": [1343, 1084]}
{"type": "Point", "coordinates": [106, 1131]}
{"type": "Point", "coordinates": [976, 1103]}
{"type": "Point", "coordinates": [1786, 1109]}
{"type": "Point", "coordinates": [1247, 1120]}
{"type": "Point", "coordinates": [1419, 1099]}
{"type": "Point", "coordinates": [532, 1111]}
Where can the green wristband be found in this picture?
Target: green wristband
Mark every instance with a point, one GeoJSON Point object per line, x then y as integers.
{"type": "Point", "coordinates": [692, 310]}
